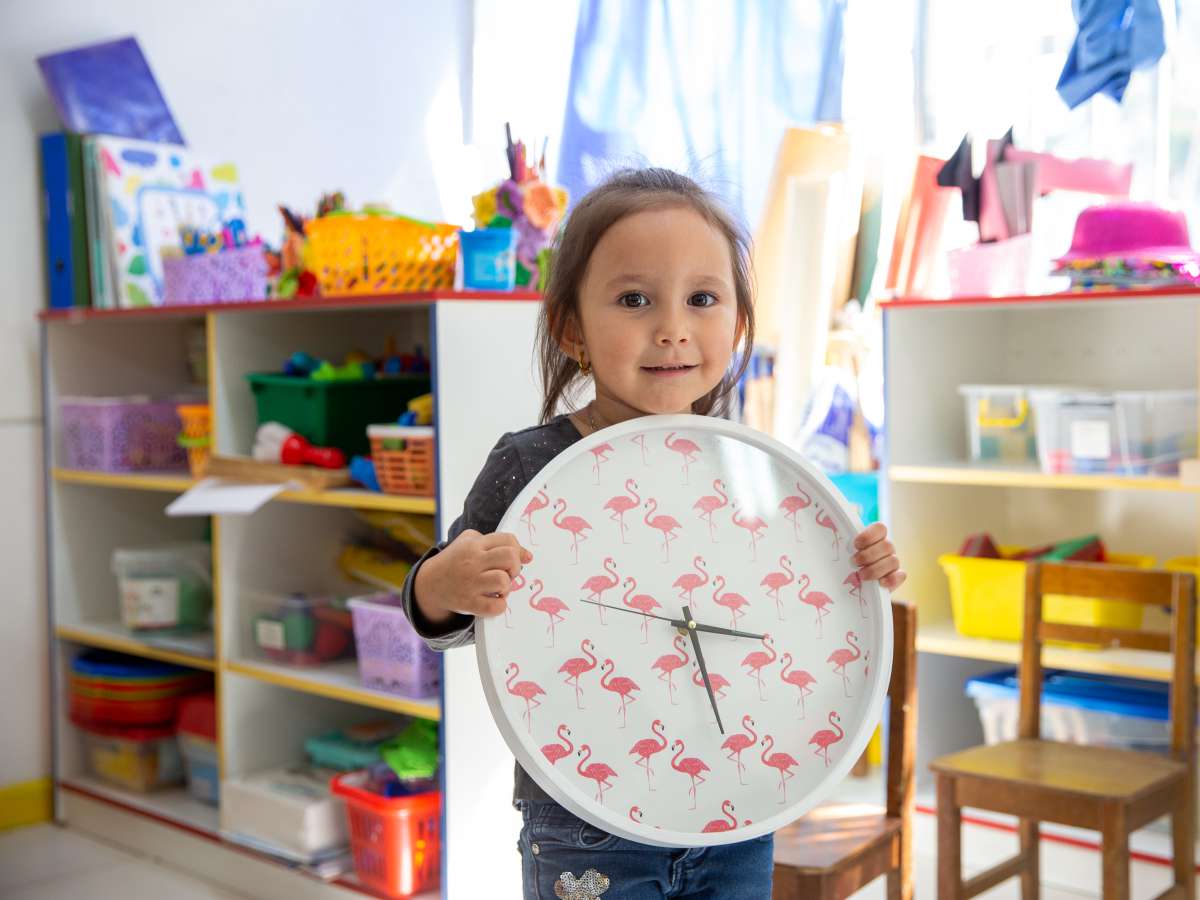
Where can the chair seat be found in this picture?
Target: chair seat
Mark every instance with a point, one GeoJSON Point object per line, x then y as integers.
{"type": "Point", "coordinates": [1099, 772]}
{"type": "Point", "coordinates": [832, 834]}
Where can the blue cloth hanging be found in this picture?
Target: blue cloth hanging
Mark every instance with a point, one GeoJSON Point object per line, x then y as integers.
{"type": "Point", "coordinates": [1115, 37]}
{"type": "Point", "coordinates": [659, 82]}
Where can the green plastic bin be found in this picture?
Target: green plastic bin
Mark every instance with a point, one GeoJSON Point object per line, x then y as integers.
{"type": "Point", "coordinates": [334, 413]}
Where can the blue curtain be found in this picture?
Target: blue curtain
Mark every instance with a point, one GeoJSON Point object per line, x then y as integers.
{"type": "Point", "coordinates": [706, 88]}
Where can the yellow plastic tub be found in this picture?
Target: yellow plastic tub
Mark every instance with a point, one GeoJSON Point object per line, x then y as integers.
{"type": "Point", "coordinates": [1190, 565]}
{"type": "Point", "coordinates": [987, 598]}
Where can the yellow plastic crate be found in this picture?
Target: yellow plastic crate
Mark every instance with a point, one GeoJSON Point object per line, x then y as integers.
{"type": "Point", "coordinates": [381, 254]}
{"type": "Point", "coordinates": [1190, 565]}
{"type": "Point", "coordinates": [987, 598]}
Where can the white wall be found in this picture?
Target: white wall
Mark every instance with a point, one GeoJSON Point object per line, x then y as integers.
{"type": "Point", "coordinates": [365, 96]}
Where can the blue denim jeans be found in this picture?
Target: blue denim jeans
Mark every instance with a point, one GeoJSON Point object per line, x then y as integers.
{"type": "Point", "coordinates": [565, 858]}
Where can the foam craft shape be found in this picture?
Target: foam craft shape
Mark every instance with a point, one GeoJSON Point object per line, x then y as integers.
{"type": "Point", "coordinates": [806, 153]}
{"type": "Point", "coordinates": [606, 709]}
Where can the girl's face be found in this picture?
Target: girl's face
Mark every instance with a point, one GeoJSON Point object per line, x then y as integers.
{"type": "Point", "coordinates": [658, 313]}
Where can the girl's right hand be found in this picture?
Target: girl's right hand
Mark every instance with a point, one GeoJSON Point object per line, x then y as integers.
{"type": "Point", "coordinates": [472, 575]}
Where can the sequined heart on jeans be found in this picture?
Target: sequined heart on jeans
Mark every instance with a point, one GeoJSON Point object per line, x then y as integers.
{"type": "Point", "coordinates": [589, 887]}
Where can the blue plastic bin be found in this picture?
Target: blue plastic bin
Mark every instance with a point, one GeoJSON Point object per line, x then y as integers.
{"type": "Point", "coordinates": [488, 259]}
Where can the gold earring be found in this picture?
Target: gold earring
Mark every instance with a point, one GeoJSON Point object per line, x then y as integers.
{"type": "Point", "coordinates": [585, 367]}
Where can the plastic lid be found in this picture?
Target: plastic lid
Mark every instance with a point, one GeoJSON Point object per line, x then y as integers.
{"type": "Point", "coordinates": [138, 733]}
{"type": "Point", "coordinates": [400, 431]}
{"type": "Point", "coordinates": [117, 665]}
{"type": "Point", "coordinates": [196, 557]}
{"type": "Point", "coordinates": [1100, 693]}
{"type": "Point", "coordinates": [198, 715]}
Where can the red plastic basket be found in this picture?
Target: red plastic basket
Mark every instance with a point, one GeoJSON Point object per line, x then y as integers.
{"type": "Point", "coordinates": [396, 841]}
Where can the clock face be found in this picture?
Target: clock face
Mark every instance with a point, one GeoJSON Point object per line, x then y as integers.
{"type": "Point", "coordinates": [607, 708]}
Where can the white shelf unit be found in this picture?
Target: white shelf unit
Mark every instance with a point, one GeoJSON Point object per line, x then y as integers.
{"type": "Point", "coordinates": [481, 351]}
{"type": "Point", "coordinates": [933, 498]}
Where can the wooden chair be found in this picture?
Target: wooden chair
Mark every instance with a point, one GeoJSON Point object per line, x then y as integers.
{"type": "Point", "coordinates": [838, 848]}
{"type": "Point", "coordinates": [1112, 791]}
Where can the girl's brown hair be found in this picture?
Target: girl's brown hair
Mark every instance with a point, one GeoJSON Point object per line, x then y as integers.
{"type": "Point", "coordinates": [625, 193]}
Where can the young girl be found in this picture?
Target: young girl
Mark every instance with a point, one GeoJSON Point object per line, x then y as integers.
{"type": "Point", "coordinates": [649, 297]}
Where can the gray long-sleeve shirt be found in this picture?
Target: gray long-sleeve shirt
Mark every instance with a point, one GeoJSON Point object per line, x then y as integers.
{"type": "Point", "coordinates": [514, 462]}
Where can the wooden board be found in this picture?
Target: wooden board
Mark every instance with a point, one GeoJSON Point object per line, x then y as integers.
{"type": "Point", "coordinates": [245, 469]}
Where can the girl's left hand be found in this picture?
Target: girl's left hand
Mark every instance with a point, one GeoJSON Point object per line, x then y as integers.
{"type": "Point", "coordinates": [876, 558]}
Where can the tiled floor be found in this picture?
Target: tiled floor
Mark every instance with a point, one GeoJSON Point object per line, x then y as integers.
{"type": "Point", "coordinates": [49, 863]}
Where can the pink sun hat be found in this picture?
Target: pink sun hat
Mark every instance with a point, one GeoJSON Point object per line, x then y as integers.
{"type": "Point", "coordinates": [1132, 231]}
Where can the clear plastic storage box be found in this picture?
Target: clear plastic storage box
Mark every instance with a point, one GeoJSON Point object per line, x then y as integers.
{"type": "Point", "coordinates": [167, 587]}
{"type": "Point", "coordinates": [1000, 423]}
{"type": "Point", "coordinates": [302, 629]}
{"type": "Point", "coordinates": [138, 759]}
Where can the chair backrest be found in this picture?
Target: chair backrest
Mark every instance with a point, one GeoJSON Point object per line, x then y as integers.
{"type": "Point", "coordinates": [1150, 587]}
{"type": "Point", "coordinates": [902, 714]}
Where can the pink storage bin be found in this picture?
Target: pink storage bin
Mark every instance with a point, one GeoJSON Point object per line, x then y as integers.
{"type": "Point", "coordinates": [995, 269]}
{"type": "Point", "coordinates": [121, 434]}
{"type": "Point", "coordinates": [231, 275]}
{"type": "Point", "coordinates": [391, 656]}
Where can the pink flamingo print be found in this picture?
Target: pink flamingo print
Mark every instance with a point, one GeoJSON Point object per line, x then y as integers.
{"type": "Point", "coordinates": [668, 663]}
{"type": "Point", "coordinates": [757, 660]}
{"type": "Point", "coordinates": [689, 581]}
{"type": "Point", "coordinates": [597, 772]}
{"type": "Point", "coordinates": [636, 814]}
{"type": "Point", "coordinates": [824, 739]}
{"type": "Point", "coordinates": [621, 686]}
{"type": "Point", "coordinates": [799, 677]}
{"type": "Point", "coordinates": [691, 766]}
{"type": "Point", "coordinates": [574, 524]}
{"type": "Point", "coordinates": [555, 752]}
{"type": "Point", "coordinates": [668, 525]}
{"type": "Point", "coordinates": [709, 504]}
{"type": "Point", "coordinates": [792, 506]}
{"type": "Point", "coordinates": [826, 521]}
{"type": "Point", "coordinates": [783, 762]}
{"type": "Point", "coordinates": [540, 501]}
{"type": "Point", "coordinates": [731, 601]}
{"type": "Point", "coordinates": [599, 455]}
{"type": "Point", "coordinates": [720, 684]}
{"type": "Point", "coordinates": [738, 742]}
{"type": "Point", "coordinates": [816, 599]}
{"type": "Point", "coordinates": [774, 582]}
{"type": "Point", "coordinates": [598, 584]}
{"type": "Point", "coordinates": [647, 747]}
{"type": "Point", "coordinates": [577, 666]}
{"type": "Point", "coordinates": [526, 690]}
{"type": "Point", "coordinates": [854, 582]}
{"type": "Point", "coordinates": [843, 656]}
{"type": "Point", "coordinates": [685, 448]}
{"type": "Point", "coordinates": [727, 824]}
{"type": "Point", "coordinates": [518, 583]}
{"type": "Point", "coordinates": [640, 440]}
{"type": "Point", "coordinates": [643, 603]}
{"type": "Point", "coordinates": [551, 606]}
{"type": "Point", "coordinates": [620, 504]}
{"type": "Point", "coordinates": [756, 526]}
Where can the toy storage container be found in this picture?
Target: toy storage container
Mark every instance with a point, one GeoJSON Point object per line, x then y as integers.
{"type": "Point", "coordinates": [1001, 425]}
{"type": "Point", "coordinates": [487, 259]}
{"type": "Point", "coordinates": [137, 759]}
{"type": "Point", "coordinates": [121, 434]}
{"type": "Point", "coordinates": [334, 413]}
{"type": "Point", "coordinates": [302, 629]}
{"type": "Point", "coordinates": [987, 597]}
{"type": "Point", "coordinates": [111, 689]}
{"type": "Point", "coordinates": [353, 748]}
{"type": "Point", "coordinates": [380, 254]}
{"type": "Point", "coordinates": [403, 458]}
{"type": "Point", "coordinates": [1103, 710]}
{"type": "Point", "coordinates": [1122, 432]}
{"type": "Point", "coordinates": [197, 734]}
{"type": "Point", "coordinates": [395, 841]}
{"type": "Point", "coordinates": [289, 811]}
{"type": "Point", "coordinates": [167, 587]}
{"type": "Point", "coordinates": [391, 656]}
{"type": "Point", "coordinates": [235, 274]}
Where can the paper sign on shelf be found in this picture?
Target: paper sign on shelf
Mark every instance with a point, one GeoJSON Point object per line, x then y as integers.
{"type": "Point", "coordinates": [221, 496]}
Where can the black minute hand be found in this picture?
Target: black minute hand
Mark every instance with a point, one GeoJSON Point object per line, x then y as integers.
{"type": "Point", "coordinates": [687, 614]}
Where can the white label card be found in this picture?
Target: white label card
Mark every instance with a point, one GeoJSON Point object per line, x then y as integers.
{"type": "Point", "coordinates": [150, 602]}
{"type": "Point", "coordinates": [1091, 439]}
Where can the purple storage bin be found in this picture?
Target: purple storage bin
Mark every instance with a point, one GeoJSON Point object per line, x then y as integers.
{"type": "Point", "coordinates": [231, 275]}
{"type": "Point", "coordinates": [391, 656]}
{"type": "Point", "coordinates": [121, 434]}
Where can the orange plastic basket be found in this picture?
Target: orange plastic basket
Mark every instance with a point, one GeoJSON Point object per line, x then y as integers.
{"type": "Point", "coordinates": [396, 841]}
{"type": "Point", "coordinates": [197, 435]}
{"type": "Point", "coordinates": [403, 457]}
{"type": "Point", "coordinates": [380, 254]}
